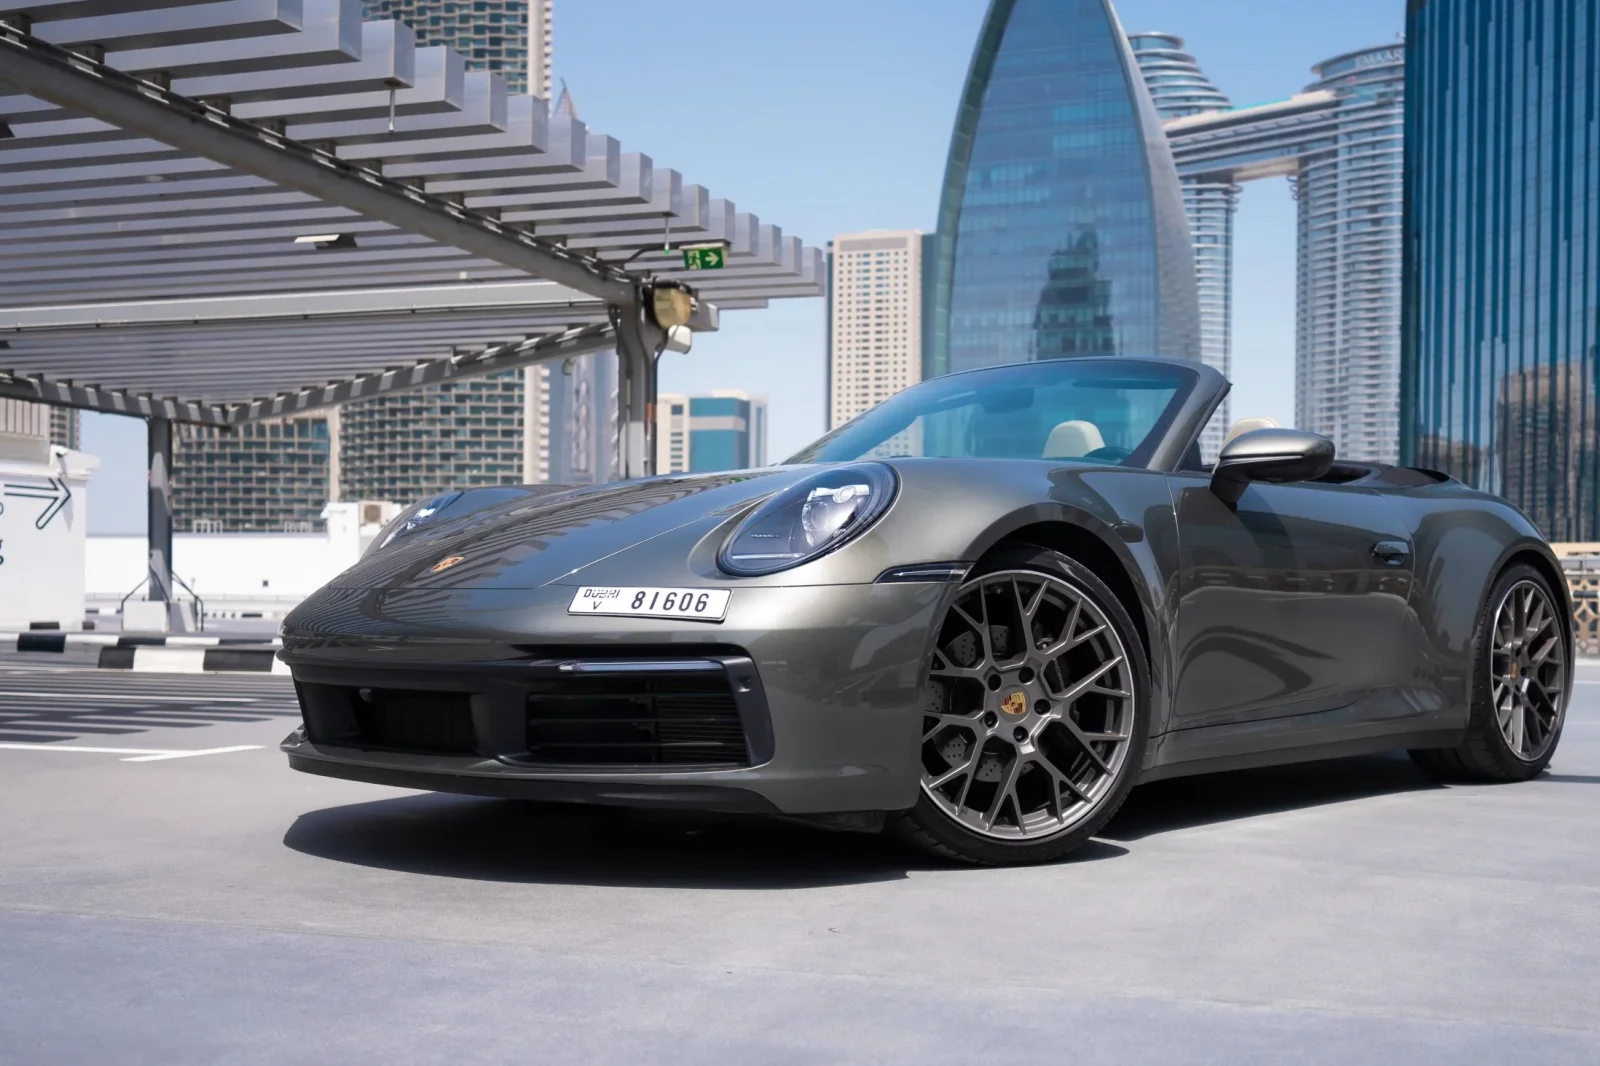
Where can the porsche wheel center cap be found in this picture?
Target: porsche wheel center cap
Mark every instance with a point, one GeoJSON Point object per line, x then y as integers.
{"type": "Point", "coordinates": [1014, 704]}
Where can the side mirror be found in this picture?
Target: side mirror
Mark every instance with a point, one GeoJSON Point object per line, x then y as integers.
{"type": "Point", "coordinates": [1275, 455]}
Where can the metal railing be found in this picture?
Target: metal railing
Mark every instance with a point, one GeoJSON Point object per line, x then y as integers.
{"type": "Point", "coordinates": [199, 604]}
{"type": "Point", "coordinates": [1582, 565]}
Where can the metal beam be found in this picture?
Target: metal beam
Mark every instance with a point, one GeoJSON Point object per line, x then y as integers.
{"type": "Point", "coordinates": [543, 298]}
{"type": "Point", "coordinates": [71, 81]}
{"type": "Point", "coordinates": [576, 341]}
{"type": "Point", "coordinates": [488, 361]}
{"type": "Point", "coordinates": [112, 401]}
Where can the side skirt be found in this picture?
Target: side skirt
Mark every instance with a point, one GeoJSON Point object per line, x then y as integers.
{"type": "Point", "coordinates": [1299, 738]}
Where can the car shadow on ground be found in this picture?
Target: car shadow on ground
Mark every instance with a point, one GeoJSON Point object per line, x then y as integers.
{"type": "Point", "coordinates": [506, 840]}
{"type": "Point", "coordinates": [502, 840]}
{"type": "Point", "coordinates": [1207, 799]}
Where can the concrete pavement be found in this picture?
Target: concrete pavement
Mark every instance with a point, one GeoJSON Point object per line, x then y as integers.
{"type": "Point", "coordinates": [219, 908]}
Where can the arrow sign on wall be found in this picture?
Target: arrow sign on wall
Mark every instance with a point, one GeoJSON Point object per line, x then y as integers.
{"type": "Point", "coordinates": [55, 490]}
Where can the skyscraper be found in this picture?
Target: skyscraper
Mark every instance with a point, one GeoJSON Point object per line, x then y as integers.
{"type": "Point", "coordinates": [1179, 89]}
{"type": "Point", "coordinates": [1348, 192]}
{"type": "Point", "coordinates": [1061, 222]}
{"type": "Point", "coordinates": [1339, 144]}
{"type": "Point", "coordinates": [1500, 378]}
{"type": "Point", "coordinates": [874, 319]}
{"type": "Point", "coordinates": [703, 434]}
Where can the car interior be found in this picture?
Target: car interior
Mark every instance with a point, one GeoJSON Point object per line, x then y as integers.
{"type": "Point", "coordinates": [1080, 438]}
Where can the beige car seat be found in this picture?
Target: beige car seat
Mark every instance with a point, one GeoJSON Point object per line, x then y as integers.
{"type": "Point", "coordinates": [1245, 425]}
{"type": "Point", "coordinates": [1073, 440]}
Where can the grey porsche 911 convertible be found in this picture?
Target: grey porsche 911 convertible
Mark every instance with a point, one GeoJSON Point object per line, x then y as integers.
{"type": "Point", "coordinates": [975, 616]}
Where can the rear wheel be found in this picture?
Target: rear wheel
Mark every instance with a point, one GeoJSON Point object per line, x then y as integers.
{"type": "Point", "coordinates": [1036, 717]}
{"type": "Point", "coordinates": [1520, 673]}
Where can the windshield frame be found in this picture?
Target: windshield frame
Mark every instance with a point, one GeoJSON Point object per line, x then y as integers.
{"type": "Point", "coordinates": [1152, 450]}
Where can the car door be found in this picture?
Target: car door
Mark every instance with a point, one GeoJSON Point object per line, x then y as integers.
{"type": "Point", "coordinates": [1287, 602]}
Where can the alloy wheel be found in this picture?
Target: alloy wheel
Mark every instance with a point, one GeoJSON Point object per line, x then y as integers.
{"type": "Point", "coordinates": [1528, 670]}
{"type": "Point", "coordinates": [1031, 707]}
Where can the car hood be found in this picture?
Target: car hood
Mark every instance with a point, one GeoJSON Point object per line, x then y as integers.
{"type": "Point", "coordinates": [541, 539]}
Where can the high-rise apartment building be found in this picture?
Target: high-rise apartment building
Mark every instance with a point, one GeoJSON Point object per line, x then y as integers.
{"type": "Point", "coordinates": [874, 319]}
{"type": "Point", "coordinates": [414, 444]}
{"type": "Point", "coordinates": [703, 434]}
{"type": "Point", "coordinates": [510, 38]}
{"type": "Point", "coordinates": [37, 421]}
{"type": "Point", "coordinates": [273, 476]}
{"type": "Point", "coordinates": [1501, 365]}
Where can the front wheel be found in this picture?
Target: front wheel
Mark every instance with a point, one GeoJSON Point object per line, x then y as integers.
{"type": "Point", "coordinates": [1036, 717]}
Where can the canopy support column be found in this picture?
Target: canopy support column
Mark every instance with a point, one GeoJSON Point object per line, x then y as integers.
{"type": "Point", "coordinates": [639, 345]}
{"type": "Point", "coordinates": [158, 509]}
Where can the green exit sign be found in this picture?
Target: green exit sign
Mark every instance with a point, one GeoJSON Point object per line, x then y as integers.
{"type": "Point", "coordinates": [705, 258]}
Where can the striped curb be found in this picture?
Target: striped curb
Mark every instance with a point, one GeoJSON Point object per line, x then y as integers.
{"type": "Point", "coordinates": [144, 658]}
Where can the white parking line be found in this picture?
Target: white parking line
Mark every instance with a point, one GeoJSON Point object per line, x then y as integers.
{"type": "Point", "coordinates": [137, 754]}
{"type": "Point", "coordinates": [152, 698]}
{"type": "Point", "coordinates": [192, 754]}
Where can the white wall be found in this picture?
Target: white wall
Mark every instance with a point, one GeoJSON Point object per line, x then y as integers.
{"type": "Point", "coordinates": [43, 517]}
{"type": "Point", "coordinates": [268, 565]}
{"type": "Point", "coordinates": [238, 566]}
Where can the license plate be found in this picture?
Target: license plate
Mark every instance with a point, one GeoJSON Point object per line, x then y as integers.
{"type": "Point", "coordinates": [702, 605]}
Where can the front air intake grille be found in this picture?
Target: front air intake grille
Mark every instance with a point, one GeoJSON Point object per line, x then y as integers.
{"type": "Point", "coordinates": [433, 723]}
{"type": "Point", "coordinates": [636, 720]}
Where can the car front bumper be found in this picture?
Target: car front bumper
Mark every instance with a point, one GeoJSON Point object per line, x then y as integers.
{"type": "Point", "coordinates": [830, 683]}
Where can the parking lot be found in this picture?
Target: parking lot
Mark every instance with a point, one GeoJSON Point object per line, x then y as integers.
{"type": "Point", "coordinates": [170, 892]}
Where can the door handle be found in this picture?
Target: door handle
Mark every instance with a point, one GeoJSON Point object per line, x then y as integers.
{"type": "Point", "coordinates": [1391, 552]}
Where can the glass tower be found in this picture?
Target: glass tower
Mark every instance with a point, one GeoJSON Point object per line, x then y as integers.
{"type": "Point", "coordinates": [1061, 223]}
{"type": "Point", "coordinates": [1500, 385]}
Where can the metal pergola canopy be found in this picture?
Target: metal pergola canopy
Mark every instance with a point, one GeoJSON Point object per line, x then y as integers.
{"type": "Point", "coordinates": [165, 166]}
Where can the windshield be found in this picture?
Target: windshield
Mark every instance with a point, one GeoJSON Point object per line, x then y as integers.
{"type": "Point", "coordinates": [1089, 410]}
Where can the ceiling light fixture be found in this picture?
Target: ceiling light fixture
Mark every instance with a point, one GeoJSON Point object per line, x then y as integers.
{"type": "Point", "coordinates": [324, 241]}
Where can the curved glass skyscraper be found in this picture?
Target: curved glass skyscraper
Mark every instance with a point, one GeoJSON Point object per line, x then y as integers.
{"type": "Point", "coordinates": [1500, 382]}
{"type": "Point", "coordinates": [1061, 224]}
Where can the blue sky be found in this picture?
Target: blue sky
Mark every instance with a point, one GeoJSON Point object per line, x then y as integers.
{"type": "Point", "coordinates": [829, 116]}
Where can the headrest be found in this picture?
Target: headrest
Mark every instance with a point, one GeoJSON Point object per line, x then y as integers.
{"type": "Point", "coordinates": [1073, 440]}
{"type": "Point", "coordinates": [1246, 425]}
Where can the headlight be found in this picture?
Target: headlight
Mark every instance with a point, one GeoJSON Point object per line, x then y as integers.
{"type": "Point", "coordinates": [409, 519]}
{"type": "Point", "coordinates": [808, 519]}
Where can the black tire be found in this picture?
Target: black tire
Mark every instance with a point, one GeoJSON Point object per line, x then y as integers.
{"type": "Point", "coordinates": [930, 828]}
{"type": "Point", "coordinates": [1486, 754]}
